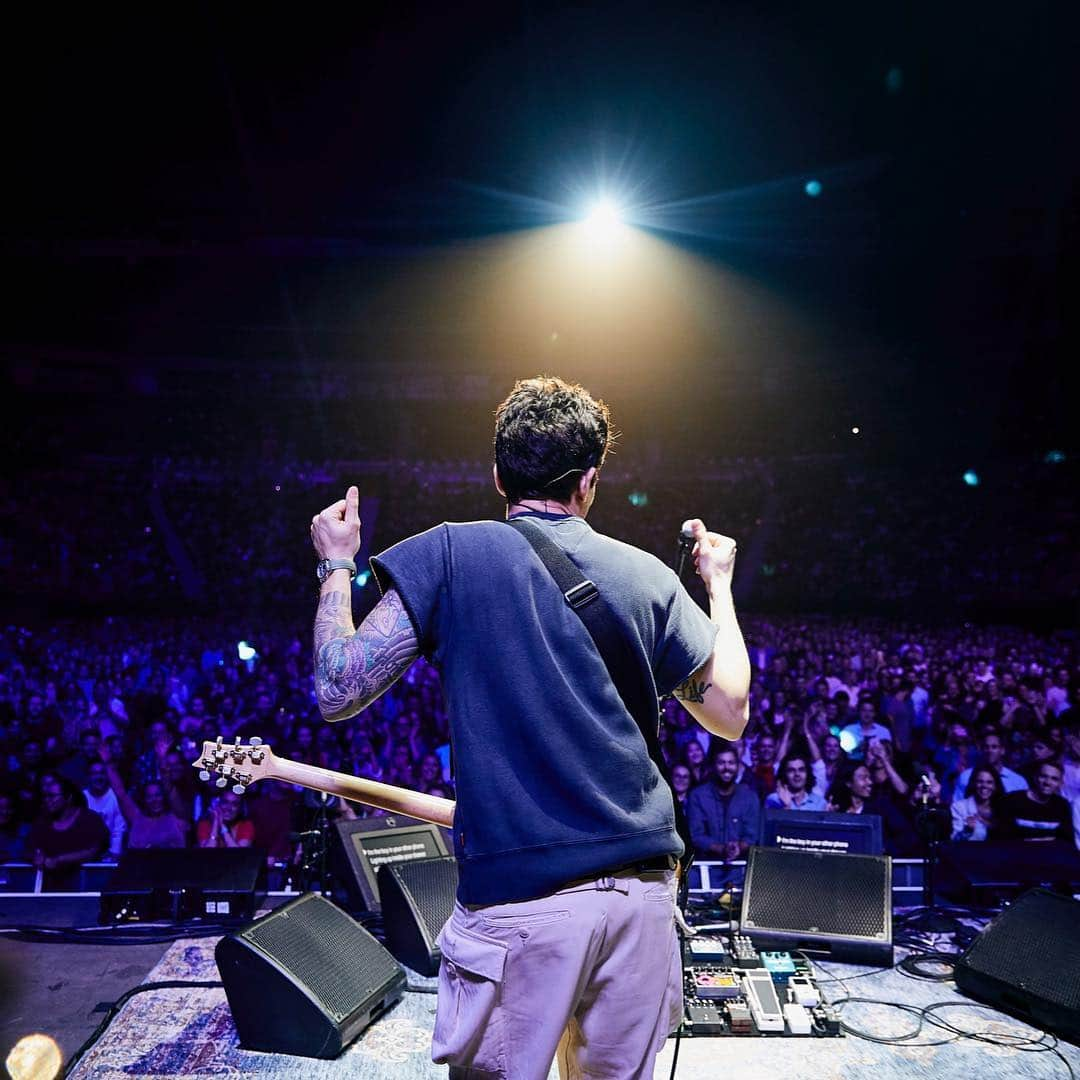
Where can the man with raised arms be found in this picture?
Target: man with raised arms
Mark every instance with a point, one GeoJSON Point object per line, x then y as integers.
{"type": "Point", "coordinates": [562, 941]}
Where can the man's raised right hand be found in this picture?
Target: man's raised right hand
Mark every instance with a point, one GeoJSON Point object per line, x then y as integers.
{"type": "Point", "coordinates": [714, 554]}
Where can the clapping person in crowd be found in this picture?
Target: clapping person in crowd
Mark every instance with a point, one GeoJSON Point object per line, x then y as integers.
{"type": "Point", "coordinates": [65, 835]}
{"type": "Point", "coordinates": [973, 813]}
{"type": "Point", "coordinates": [833, 758]}
{"type": "Point", "coordinates": [724, 816]}
{"type": "Point", "coordinates": [151, 824]}
{"type": "Point", "coordinates": [852, 792]}
{"type": "Point", "coordinates": [272, 811]}
{"type": "Point", "coordinates": [101, 798]}
{"type": "Point", "coordinates": [795, 786]}
{"type": "Point", "coordinates": [992, 753]}
{"type": "Point", "coordinates": [1038, 813]}
{"type": "Point", "coordinates": [888, 783]}
{"type": "Point", "coordinates": [226, 825]}
{"type": "Point", "coordinates": [855, 737]}
{"type": "Point", "coordinates": [762, 773]}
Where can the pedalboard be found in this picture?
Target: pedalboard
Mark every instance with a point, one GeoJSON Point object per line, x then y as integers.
{"type": "Point", "coordinates": [731, 989]}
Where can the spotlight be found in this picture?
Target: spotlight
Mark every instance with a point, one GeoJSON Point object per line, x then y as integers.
{"type": "Point", "coordinates": [971, 478]}
{"type": "Point", "coordinates": [604, 217]}
{"type": "Point", "coordinates": [813, 188]}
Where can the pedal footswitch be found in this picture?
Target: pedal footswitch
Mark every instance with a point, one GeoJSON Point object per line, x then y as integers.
{"type": "Point", "coordinates": [798, 1019]}
{"type": "Point", "coordinates": [762, 999]}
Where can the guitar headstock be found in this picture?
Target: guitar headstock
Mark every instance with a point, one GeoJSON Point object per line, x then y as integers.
{"type": "Point", "coordinates": [237, 765]}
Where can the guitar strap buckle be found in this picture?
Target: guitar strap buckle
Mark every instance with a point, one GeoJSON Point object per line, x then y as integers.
{"type": "Point", "coordinates": [581, 594]}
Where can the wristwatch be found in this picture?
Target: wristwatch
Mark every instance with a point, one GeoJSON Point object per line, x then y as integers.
{"type": "Point", "coordinates": [327, 566]}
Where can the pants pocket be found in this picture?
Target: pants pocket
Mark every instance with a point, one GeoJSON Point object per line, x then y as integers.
{"type": "Point", "coordinates": [469, 1030]}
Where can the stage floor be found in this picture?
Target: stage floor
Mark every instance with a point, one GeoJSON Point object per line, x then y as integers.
{"type": "Point", "coordinates": [189, 1033]}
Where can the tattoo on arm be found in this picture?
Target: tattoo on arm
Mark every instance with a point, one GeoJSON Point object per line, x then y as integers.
{"type": "Point", "coordinates": [353, 667]}
{"type": "Point", "coordinates": [692, 691]}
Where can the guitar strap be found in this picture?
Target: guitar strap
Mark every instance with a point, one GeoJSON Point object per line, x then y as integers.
{"type": "Point", "coordinates": [635, 687]}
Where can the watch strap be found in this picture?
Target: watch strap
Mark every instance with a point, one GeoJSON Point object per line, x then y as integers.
{"type": "Point", "coordinates": [327, 566]}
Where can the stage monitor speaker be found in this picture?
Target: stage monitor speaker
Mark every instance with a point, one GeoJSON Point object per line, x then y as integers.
{"type": "Point", "coordinates": [306, 979]}
{"type": "Point", "coordinates": [417, 899]}
{"type": "Point", "coordinates": [360, 847]}
{"type": "Point", "coordinates": [1027, 963]}
{"type": "Point", "coordinates": [220, 884]}
{"type": "Point", "coordinates": [824, 904]}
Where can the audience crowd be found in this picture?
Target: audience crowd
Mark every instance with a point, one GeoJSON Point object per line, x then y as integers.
{"type": "Point", "coordinates": [100, 722]}
{"type": "Point", "coordinates": [815, 534]}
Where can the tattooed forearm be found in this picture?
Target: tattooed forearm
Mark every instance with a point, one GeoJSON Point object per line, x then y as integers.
{"type": "Point", "coordinates": [352, 668]}
{"type": "Point", "coordinates": [692, 691]}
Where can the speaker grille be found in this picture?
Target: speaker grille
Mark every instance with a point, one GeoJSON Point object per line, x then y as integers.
{"type": "Point", "coordinates": [827, 894]}
{"type": "Point", "coordinates": [1034, 946]}
{"type": "Point", "coordinates": [321, 947]}
{"type": "Point", "coordinates": [433, 885]}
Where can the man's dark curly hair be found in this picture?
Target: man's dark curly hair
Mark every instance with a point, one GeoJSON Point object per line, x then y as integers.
{"type": "Point", "coordinates": [547, 433]}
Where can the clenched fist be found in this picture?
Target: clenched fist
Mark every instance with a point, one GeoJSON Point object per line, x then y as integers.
{"type": "Point", "coordinates": [714, 555]}
{"type": "Point", "coordinates": [335, 533]}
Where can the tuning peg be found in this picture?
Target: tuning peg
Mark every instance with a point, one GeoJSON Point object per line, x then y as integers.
{"type": "Point", "coordinates": [204, 775]}
{"type": "Point", "coordinates": [221, 781]}
{"type": "Point", "coordinates": [238, 789]}
{"type": "Point", "coordinates": [256, 741]}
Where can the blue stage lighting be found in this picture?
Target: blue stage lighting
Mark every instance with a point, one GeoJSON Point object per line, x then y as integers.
{"type": "Point", "coordinates": [971, 478]}
{"type": "Point", "coordinates": [245, 651]}
{"type": "Point", "coordinates": [1054, 457]}
{"type": "Point", "coordinates": [813, 188]}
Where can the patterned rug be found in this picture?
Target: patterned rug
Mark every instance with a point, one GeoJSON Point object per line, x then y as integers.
{"type": "Point", "coordinates": [189, 1033]}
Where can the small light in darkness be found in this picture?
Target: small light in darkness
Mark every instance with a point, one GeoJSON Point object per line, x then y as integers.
{"type": "Point", "coordinates": [894, 80]}
{"type": "Point", "coordinates": [245, 651]}
{"type": "Point", "coordinates": [1054, 457]}
{"type": "Point", "coordinates": [813, 188]}
{"type": "Point", "coordinates": [638, 499]}
{"type": "Point", "coordinates": [855, 431]}
{"type": "Point", "coordinates": [277, 487]}
{"type": "Point", "coordinates": [971, 478]}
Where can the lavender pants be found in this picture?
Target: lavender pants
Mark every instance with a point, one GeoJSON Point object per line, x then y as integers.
{"type": "Point", "coordinates": [590, 974]}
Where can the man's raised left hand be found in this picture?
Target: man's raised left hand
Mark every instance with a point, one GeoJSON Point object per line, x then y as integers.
{"type": "Point", "coordinates": [335, 533]}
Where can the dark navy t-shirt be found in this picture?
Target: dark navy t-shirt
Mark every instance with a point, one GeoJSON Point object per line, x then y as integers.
{"type": "Point", "coordinates": [553, 778]}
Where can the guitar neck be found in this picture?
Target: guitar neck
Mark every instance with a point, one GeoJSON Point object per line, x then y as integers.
{"type": "Point", "coordinates": [370, 792]}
